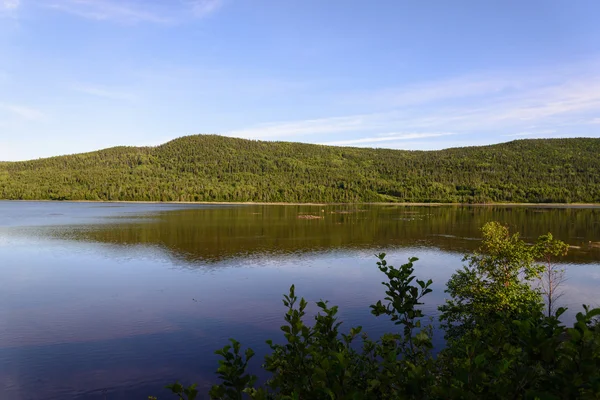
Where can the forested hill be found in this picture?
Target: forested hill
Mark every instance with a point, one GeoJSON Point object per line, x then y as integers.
{"type": "Point", "coordinates": [216, 168]}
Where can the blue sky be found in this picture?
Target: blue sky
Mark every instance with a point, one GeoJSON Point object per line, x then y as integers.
{"type": "Point", "coordinates": [80, 75]}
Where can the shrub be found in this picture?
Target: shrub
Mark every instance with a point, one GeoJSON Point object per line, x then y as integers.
{"type": "Point", "coordinates": [500, 343]}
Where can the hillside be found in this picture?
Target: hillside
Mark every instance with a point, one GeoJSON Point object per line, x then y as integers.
{"type": "Point", "coordinates": [216, 168]}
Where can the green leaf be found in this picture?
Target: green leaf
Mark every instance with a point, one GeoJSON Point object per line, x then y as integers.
{"type": "Point", "coordinates": [175, 387]}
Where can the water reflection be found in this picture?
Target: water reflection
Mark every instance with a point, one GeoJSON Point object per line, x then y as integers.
{"type": "Point", "coordinates": [214, 235]}
{"type": "Point", "coordinates": [113, 304]}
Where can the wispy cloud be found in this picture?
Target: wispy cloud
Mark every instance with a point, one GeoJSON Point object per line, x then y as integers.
{"type": "Point", "coordinates": [307, 127]}
{"type": "Point", "coordinates": [547, 132]}
{"type": "Point", "coordinates": [137, 11]}
{"type": "Point", "coordinates": [203, 8]}
{"type": "Point", "coordinates": [454, 88]}
{"type": "Point", "coordinates": [122, 11]}
{"type": "Point", "coordinates": [8, 8]}
{"type": "Point", "coordinates": [23, 112]}
{"type": "Point", "coordinates": [338, 126]}
{"type": "Point", "coordinates": [101, 91]}
{"type": "Point", "coordinates": [483, 85]}
{"type": "Point", "coordinates": [390, 137]}
{"type": "Point", "coordinates": [558, 104]}
{"type": "Point", "coordinates": [10, 4]}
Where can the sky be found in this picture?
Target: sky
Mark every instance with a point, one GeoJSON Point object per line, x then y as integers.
{"type": "Point", "coordinates": [81, 75]}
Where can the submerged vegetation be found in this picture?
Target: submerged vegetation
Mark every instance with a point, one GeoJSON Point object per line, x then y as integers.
{"type": "Point", "coordinates": [216, 168]}
{"type": "Point", "coordinates": [501, 340]}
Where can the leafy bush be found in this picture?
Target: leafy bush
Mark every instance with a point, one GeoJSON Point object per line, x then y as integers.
{"type": "Point", "coordinates": [500, 343]}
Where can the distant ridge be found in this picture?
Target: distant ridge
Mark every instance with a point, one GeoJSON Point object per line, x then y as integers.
{"type": "Point", "coordinates": [217, 168]}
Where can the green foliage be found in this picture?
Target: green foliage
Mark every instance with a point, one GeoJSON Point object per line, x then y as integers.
{"type": "Point", "coordinates": [215, 168]}
{"type": "Point", "coordinates": [403, 299]}
{"type": "Point", "coordinates": [547, 250]}
{"type": "Point", "coordinates": [232, 372]}
{"type": "Point", "coordinates": [501, 345]}
{"type": "Point", "coordinates": [534, 357]}
{"type": "Point", "coordinates": [495, 284]}
{"type": "Point", "coordinates": [319, 362]}
{"type": "Point", "coordinates": [182, 392]}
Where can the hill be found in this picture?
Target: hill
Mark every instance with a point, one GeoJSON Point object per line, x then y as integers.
{"type": "Point", "coordinates": [217, 168]}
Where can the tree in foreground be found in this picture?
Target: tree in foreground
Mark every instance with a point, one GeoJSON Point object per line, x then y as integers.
{"type": "Point", "coordinates": [553, 276]}
{"type": "Point", "coordinates": [502, 342]}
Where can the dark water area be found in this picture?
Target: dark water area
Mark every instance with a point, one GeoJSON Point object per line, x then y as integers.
{"type": "Point", "coordinates": [113, 301]}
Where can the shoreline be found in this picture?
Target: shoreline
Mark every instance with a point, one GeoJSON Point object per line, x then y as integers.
{"type": "Point", "coordinates": [407, 204]}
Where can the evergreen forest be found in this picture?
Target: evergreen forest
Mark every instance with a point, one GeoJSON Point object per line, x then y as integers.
{"type": "Point", "coordinates": [212, 168]}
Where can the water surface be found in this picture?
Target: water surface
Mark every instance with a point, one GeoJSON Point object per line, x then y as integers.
{"type": "Point", "coordinates": [112, 301]}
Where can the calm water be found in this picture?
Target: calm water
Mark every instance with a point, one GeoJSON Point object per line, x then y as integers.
{"type": "Point", "coordinates": [113, 301]}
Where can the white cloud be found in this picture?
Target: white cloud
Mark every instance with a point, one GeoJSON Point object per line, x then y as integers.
{"type": "Point", "coordinates": [546, 106]}
{"type": "Point", "coordinates": [101, 91]}
{"type": "Point", "coordinates": [389, 137]}
{"type": "Point", "coordinates": [307, 127]}
{"type": "Point", "coordinates": [461, 87]}
{"type": "Point", "coordinates": [542, 103]}
{"type": "Point", "coordinates": [8, 8]}
{"type": "Point", "coordinates": [482, 85]}
{"type": "Point", "coordinates": [122, 11]}
{"type": "Point", "coordinates": [547, 132]}
{"type": "Point", "coordinates": [203, 8]}
{"type": "Point", "coordinates": [23, 112]}
{"type": "Point", "coordinates": [136, 11]}
{"type": "Point", "coordinates": [558, 104]}
{"type": "Point", "coordinates": [10, 4]}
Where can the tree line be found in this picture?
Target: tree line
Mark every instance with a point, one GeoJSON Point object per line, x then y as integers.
{"type": "Point", "coordinates": [216, 168]}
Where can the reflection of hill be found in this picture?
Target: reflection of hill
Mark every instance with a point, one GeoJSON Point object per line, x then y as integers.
{"type": "Point", "coordinates": [214, 234]}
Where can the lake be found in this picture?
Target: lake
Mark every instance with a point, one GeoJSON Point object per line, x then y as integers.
{"type": "Point", "coordinates": [113, 301]}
